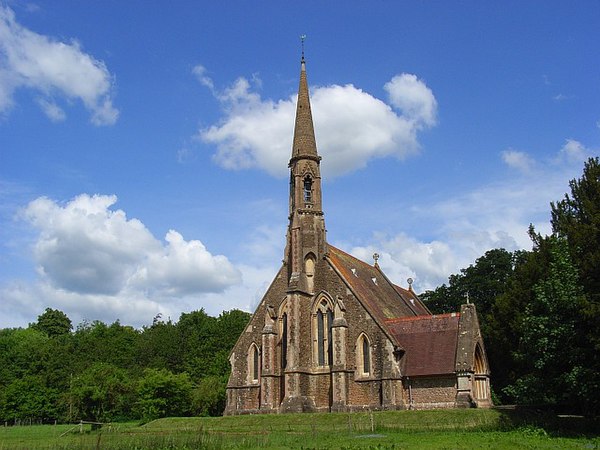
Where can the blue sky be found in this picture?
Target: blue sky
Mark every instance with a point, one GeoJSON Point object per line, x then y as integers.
{"type": "Point", "coordinates": [144, 144]}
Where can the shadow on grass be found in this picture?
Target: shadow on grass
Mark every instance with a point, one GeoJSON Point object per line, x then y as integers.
{"type": "Point", "coordinates": [542, 419]}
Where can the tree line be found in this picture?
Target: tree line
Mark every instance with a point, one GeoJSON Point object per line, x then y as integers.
{"type": "Point", "coordinates": [539, 310]}
{"type": "Point", "coordinates": [98, 372]}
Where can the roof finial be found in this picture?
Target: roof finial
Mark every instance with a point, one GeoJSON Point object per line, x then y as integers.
{"type": "Point", "coordinates": [376, 258]}
{"type": "Point", "coordinates": [302, 39]}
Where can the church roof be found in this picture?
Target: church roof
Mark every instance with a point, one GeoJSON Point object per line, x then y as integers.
{"type": "Point", "coordinates": [429, 341]}
{"type": "Point", "coordinates": [381, 297]}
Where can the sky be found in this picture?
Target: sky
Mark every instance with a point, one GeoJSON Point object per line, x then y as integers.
{"type": "Point", "coordinates": [144, 144]}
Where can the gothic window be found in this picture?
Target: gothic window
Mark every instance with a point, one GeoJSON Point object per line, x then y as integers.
{"type": "Point", "coordinates": [284, 328]}
{"type": "Point", "coordinates": [307, 189]}
{"type": "Point", "coordinates": [330, 337]}
{"type": "Point", "coordinates": [253, 364]}
{"type": "Point", "coordinates": [321, 337]}
{"type": "Point", "coordinates": [323, 333]}
{"type": "Point", "coordinates": [363, 356]}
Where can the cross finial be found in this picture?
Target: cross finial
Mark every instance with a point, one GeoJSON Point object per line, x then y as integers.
{"type": "Point", "coordinates": [410, 283]}
{"type": "Point", "coordinates": [302, 39]}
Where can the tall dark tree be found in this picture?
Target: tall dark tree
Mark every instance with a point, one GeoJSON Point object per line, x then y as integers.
{"type": "Point", "coordinates": [548, 349]}
{"type": "Point", "coordinates": [577, 218]}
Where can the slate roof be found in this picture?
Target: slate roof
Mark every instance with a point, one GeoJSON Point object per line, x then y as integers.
{"type": "Point", "coordinates": [429, 341]}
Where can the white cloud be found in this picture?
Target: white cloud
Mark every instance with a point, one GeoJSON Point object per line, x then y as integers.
{"type": "Point", "coordinates": [95, 262]}
{"type": "Point", "coordinates": [413, 98]}
{"type": "Point", "coordinates": [402, 256]}
{"type": "Point", "coordinates": [460, 228]}
{"type": "Point", "coordinates": [51, 67]}
{"type": "Point", "coordinates": [54, 112]}
{"type": "Point", "coordinates": [517, 160]}
{"type": "Point", "coordinates": [573, 152]}
{"type": "Point", "coordinates": [351, 125]}
{"type": "Point", "coordinates": [200, 72]}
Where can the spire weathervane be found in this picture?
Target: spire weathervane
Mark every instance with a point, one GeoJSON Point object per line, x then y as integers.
{"type": "Point", "coordinates": [302, 39]}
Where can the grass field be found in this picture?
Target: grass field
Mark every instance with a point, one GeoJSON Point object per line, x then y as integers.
{"type": "Point", "coordinates": [442, 429]}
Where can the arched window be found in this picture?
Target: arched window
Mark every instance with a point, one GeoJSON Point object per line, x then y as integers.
{"type": "Point", "coordinates": [330, 337]}
{"type": "Point", "coordinates": [253, 364]}
{"type": "Point", "coordinates": [323, 333]}
{"type": "Point", "coordinates": [363, 356]}
{"type": "Point", "coordinates": [284, 330]}
{"type": "Point", "coordinates": [307, 189]}
{"type": "Point", "coordinates": [321, 337]}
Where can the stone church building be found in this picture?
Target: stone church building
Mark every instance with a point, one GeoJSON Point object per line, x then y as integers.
{"type": "Point", "coordinates": [333, 333]}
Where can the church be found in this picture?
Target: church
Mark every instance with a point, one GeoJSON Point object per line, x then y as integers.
{"type": "Point", "coordinates": [333, 333]}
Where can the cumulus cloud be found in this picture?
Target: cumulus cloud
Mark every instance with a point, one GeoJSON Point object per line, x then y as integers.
{"type": "Point", "coordinates": [51, 68]}
{"type": "Point", "coordinates": [352, 126]}
{"type": "Point", "coordinates": [413, 98]}
{"type": "Point", "coordinates": [94, 260]}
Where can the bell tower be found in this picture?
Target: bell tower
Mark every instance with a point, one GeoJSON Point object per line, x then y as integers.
{"type": "Point", "coordinates": [304, 254]}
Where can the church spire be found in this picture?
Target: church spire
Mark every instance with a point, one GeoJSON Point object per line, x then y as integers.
{"type": "Point", "coordinates": [305, 144]}
{"type": "Point", "coordinates": [306, 230]}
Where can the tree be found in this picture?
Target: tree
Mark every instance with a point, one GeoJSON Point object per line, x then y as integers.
{"type": "Point", "coordinates": [53, 322]}
{"type": "Point", "coordinates": [548, 348]}
{"type": "Point", "coordinates": [162, 393]}
{"type": "Point", "coordinates": [102, 393]}
{"type": "Point", "coordinates": [577, 218]}
{"type": "Point", "coordinates": [209, 397]}
{"type": "Point", "coordinates": [28, 398]}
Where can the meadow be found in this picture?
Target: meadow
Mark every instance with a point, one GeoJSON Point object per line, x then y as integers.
{"type": "Point", "coordinates": [440, 429]}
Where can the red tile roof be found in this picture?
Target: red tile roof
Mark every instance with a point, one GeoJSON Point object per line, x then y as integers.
{"type": "Point", "coordinates": [429, 341]}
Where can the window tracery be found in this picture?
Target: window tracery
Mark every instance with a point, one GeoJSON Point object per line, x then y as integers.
{"type": "Point", "coordinates": [323, 332]}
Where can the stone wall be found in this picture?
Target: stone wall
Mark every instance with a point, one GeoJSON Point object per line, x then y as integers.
{"type": "Point", "coordinates": [430, 392]}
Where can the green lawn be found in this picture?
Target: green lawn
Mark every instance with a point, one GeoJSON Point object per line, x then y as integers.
{"type": "Point", "coordinates": [443, 429]}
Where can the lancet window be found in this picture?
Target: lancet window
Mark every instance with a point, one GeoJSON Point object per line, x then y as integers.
{"type": "Point", "coordinates": [323, 333]}
{"type": "Point", "coordinates": [253, 364]}
{"type": "Point", "coordinates": [363, 355]}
